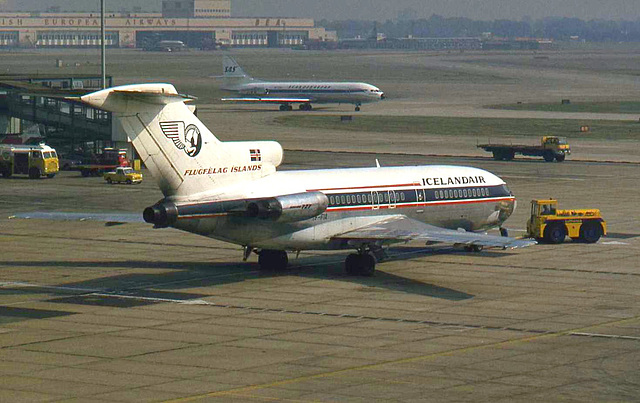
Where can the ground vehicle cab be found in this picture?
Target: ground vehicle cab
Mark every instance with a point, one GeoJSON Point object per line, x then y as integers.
{"type": "Point", "coordinates": [33, 160]}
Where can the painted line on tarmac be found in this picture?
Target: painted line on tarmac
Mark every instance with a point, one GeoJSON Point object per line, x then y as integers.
{"type": "Point", "coordinates": [605, 336]}
{"type": "Point", "coordinates": [238, 392]}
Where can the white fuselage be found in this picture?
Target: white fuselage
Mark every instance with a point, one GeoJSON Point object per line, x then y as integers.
{"type": "Point", "coordinates": [316, 92]}
{"type": "Point", "coordinates": [445, 196]}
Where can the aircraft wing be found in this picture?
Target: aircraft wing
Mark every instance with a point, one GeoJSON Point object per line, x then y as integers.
{"type": "Point", "coordinates": [267, 100]}
{"type": "Point", "coordinates": [109, 218]}
{"type": "Point", "coordinates": [402, 228]}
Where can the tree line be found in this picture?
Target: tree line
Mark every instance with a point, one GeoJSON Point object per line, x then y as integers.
{"type": "Point", "coordinates": [557, 28]}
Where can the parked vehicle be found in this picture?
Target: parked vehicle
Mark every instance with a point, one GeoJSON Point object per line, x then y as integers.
{"type": "Point", "coordinates": [33, 160]}
{"type": "Point", "coordinates": [123, 175]}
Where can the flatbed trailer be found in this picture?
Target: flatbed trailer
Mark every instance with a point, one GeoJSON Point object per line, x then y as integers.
{"type": "Point", "coordinates": [550, 148]}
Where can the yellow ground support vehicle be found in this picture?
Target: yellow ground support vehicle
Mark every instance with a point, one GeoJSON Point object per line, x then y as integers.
{"type": "Point", "coordinates": [123, 174]}
{"type": "Point", "coordinates": [550, 148]}
{"type": "Point", "coordinates": [550, 225]}
{"type": "Point", "coordinates": [33, 160]}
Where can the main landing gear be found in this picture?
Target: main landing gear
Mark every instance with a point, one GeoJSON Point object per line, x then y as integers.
{"type": "Point", "coordinates": [272, 260]}
{"type": "Point", "coordinates": [357, 107]}
{"type": "Point", "coordinates": [363, 263]}
{"type": "Point", "coordinates": [286, 107]}
{"type": "Point", "coordinates": [305, 107]}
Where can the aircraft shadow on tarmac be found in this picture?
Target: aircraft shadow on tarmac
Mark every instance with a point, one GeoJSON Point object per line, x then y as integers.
{"type": "Point", "coordinates": [210, 274]}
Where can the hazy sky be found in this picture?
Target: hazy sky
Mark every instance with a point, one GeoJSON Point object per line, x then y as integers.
{"type": "Point", "coordinates": [383, 9]}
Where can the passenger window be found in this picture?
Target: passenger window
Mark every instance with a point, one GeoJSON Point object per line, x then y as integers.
{"type": "Point", "coordinates": [332, 200]}
{"type": "Point", "coordinates": [455, 193]}
{"type": "Point", "coordinates": [359, 199]}
{"type": "Point", "coordinates": [370, 198]}
{"type": "Point", "coordinates": [353, 199]}
{"type": "Point", "coordinates": [436, 194]}
{"type": "Point", "coordinates": [392, 197]}
{"type": "Point", "coordinates": [487, 190]}
{"type": "Point", "coordinates": [386, 197]}
{"type": "Point", "coordinates": [343, 200]}
{"type": "Point", "coordinates": [465, 192]}
{"type": "Point", "coordinates": [402, 196]}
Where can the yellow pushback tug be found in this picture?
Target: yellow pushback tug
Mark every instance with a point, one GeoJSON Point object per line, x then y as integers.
{"type": "Point", "coordinates": [33, 160]}
{"type": "Point", "coordinates": [550, 225]}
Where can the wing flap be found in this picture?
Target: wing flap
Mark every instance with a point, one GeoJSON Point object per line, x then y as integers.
{"type": "Point", "coordinates": [402, 228]}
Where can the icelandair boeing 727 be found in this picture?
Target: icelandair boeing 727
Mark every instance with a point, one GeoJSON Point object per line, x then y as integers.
{"type": "Point", "coordinates": [231, 191]}
{"type": "Point", "coordinates": [297, 92]}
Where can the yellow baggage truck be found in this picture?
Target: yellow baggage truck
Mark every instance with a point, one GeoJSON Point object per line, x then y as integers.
{"type": "Point", "coordinates": [550, 225]}
{"type": "Point", "coordinates": [33, 160]}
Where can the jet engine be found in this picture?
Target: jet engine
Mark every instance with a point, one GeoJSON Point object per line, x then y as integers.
{"type": "Point", "coordinates": [289, 208]}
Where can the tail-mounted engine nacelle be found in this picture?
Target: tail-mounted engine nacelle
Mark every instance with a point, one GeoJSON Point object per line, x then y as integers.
{"type": "Point", "coordinates": [162, 214]}
{"type": "Point", "coordinates": [289, 208]}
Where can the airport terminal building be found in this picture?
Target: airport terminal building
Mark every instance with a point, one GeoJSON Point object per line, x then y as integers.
{"type": "Point", "coordinates": [194, 22]}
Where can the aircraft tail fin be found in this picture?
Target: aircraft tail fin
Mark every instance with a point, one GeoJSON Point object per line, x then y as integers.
{"type": "Point", "coordinates": [233, 74]}
{"type": "Point", "coordinates": [182, 155]}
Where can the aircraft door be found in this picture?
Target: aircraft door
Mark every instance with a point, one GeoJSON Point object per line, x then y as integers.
{"type": "Point", "coordinates": [420, 197]}
{"type": "Point", "coordinates": [375, 201]}
{"type": "Point", "coordinates": [392, 199]}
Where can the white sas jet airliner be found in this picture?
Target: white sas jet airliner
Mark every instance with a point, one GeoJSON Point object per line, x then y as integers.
{"type": "Point", "coordinates": [286, 93]}
{"type": "Point", "coordinates": [231, 191]}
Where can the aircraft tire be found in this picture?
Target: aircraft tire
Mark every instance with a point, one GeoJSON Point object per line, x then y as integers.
{"type": "Point", "coordinates": [560, 157]}
{"type": "Point", "coordinates": [357, 108]}
{"type": "Point", "coordinates": [358, 264]}
{"type": "Point", "coordinates": [555, 233]}
{"type": "Point", "coordinates": [590, 231]}
{"type": "Point", "coordinates": [109, 181]}
{"type": "Point", "coordinates": [273, 260]}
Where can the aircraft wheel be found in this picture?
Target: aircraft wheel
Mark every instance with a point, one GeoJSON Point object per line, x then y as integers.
{"type": "Point", "coordinates": [555, 233]}
{"type": "Point", "coordinates": [351, 264]}
{"type": "Point", "coordinates": [109, 181]}
{"type": "Point", "coordinates": [357, 108]}
{"type": "Point", "coordinates": [284, 108]}
{"type": "Point", "coordinates": [473, 248]}
{"type": "Point", "coordinates": [129, 182]}
{"type": "Point", "coordinates": [273, 260]}
{"type": "Point", "coordinates": [560, 157]}
{"type": "Point", "coordinates": [358, 264]}
{"type": "Point", "coordinates": [590, 231]}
